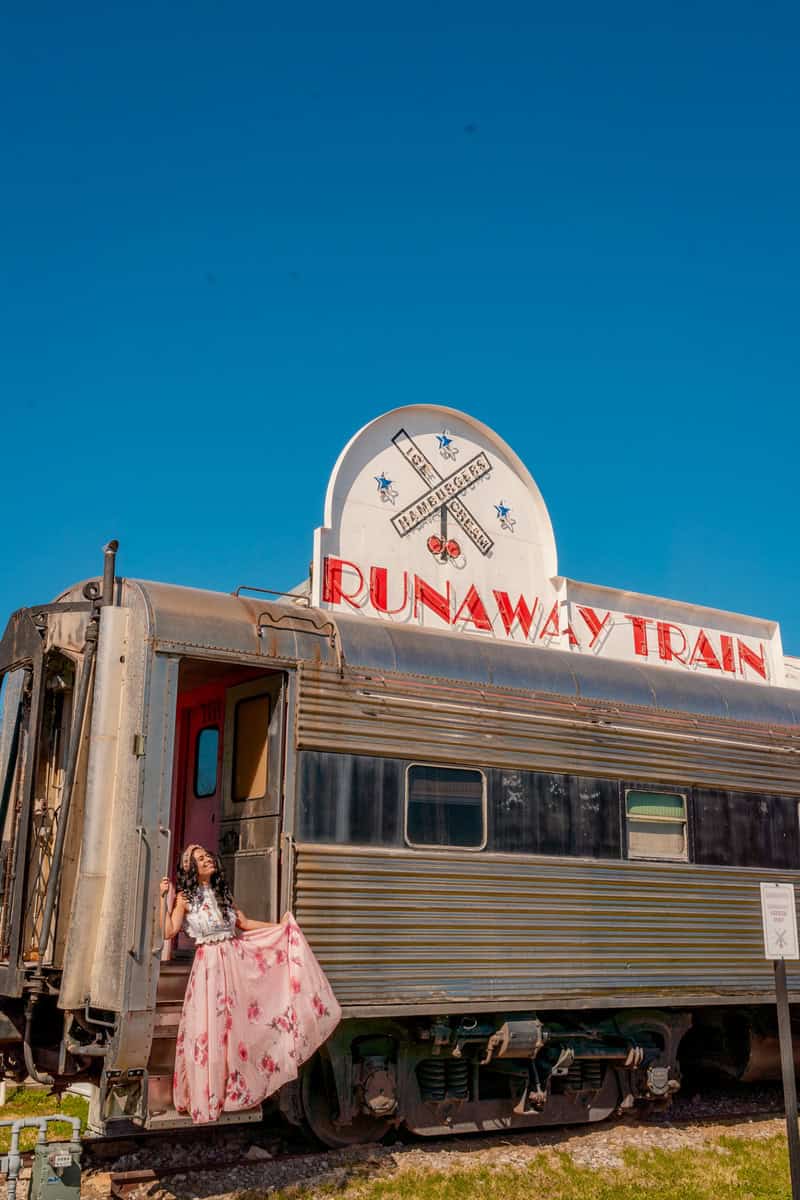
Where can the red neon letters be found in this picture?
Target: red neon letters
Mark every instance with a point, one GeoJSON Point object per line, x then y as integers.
{"type": "Point", "coordinates": [345, 584]}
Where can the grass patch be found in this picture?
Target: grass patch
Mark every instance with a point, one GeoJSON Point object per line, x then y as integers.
{"type": "Point", "coordinates": [32, 1102]}
{"type": "Point", "coordinates": [730, 1169]}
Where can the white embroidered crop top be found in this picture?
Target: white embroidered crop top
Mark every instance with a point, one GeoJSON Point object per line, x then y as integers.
{"type": "Point", "coordinates": [206, 922]}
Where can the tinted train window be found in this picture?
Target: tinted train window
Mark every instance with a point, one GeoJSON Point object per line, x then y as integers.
{"type": "Point", "coordinates": [251, 726]}
{"type": "Point", "coordinates": [657, 824]}
{"type": "Point", "coordinates": [205, 761]}
{"type": "Point", "coordinates": [445, 806]}
{"type": "Point", "coordinates": [535, 813]}
{"type": "Point", "coordinates": [350, 798]}
{"type": "Point", "coordinates": [741, 829]}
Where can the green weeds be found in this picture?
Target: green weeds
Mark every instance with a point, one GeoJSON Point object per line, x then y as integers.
{"type": "Point", "coordinates": [729, 1169]}
{"type": "Point", "coordinates": [32, 1102]}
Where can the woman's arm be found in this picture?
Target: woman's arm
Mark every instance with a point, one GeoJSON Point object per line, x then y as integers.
{"type": "Point", "coordinates": [244, 922]}
{"type": "Point", "coordinates": [172, 922]}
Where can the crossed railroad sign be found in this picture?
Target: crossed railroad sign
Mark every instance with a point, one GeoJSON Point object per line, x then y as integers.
{"type": "Point", "coordinates": [442, 496]}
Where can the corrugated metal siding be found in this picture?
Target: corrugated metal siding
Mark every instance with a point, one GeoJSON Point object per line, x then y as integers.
{"type": "Point", "coordinates": [395, 928]}
{"type": "Point", "coordinates": [441, 721]}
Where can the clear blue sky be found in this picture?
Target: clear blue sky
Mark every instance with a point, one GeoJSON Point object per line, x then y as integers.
{"type": "Point", "coordinates": [234, 233]}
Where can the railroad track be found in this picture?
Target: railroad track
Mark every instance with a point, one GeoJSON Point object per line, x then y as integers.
{"type": "Point", "coordinates": [234, 1159]}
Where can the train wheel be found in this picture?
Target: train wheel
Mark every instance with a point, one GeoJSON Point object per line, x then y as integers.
{"type": "Point", "coordinates": [319, 1109]}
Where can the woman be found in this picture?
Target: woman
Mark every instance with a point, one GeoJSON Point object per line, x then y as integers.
{"type": "Point", "coordinates": [257, 1004]}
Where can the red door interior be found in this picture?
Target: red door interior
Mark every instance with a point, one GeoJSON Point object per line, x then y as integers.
{"type": "Point", "coordinates": [200, 723]}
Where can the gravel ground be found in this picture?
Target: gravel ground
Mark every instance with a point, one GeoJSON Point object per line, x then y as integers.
{"type": "Point", "coordinates": [597, 1148]}
{"type": "Point", "coordinates": [267, 1161]}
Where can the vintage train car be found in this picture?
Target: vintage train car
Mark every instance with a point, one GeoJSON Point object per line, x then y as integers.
{"type": "Point", "coordinates": [530, 872]}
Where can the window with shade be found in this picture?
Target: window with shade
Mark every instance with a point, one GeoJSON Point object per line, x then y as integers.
{"type": "Point", "coordinates": [656, 824]}
{"type": "Point", "coordinates": [445, 806]}
{"type": "Point", "coordinates": [250, 748]}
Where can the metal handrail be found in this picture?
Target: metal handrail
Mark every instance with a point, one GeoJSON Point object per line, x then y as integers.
{"type": "Point", "coordinates": [137, 936]}
{"type": "Point", "coordinates": [164, 831]}
{"type": "Point", "coordinates": [246, 587]}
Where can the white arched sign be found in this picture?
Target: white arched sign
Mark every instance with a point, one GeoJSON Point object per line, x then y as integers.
{"type": "Point", "coordinates": [430, 518]}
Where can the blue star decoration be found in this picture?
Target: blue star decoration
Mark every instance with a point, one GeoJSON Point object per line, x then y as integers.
{"type": "Point", "coordinates": [507, 522]}
{"type": "Point", "coordinates": [385, 490]}
{"type": "Point", "coordinates": [446, 447]}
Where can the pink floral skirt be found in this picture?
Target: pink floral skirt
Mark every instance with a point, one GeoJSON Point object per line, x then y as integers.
{"type": "Point", "coordinates": [256, 1007]}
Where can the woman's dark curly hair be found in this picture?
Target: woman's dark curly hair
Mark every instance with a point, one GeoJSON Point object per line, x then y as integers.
{"type": "Point", "coordinates": [189, 883]}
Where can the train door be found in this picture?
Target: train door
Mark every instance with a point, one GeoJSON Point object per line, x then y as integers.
{"type": "Point", "coordinates": [252, 789]}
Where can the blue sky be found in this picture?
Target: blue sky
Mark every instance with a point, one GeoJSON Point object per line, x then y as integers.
{"type": "Point", "coordinates": [232, 234]}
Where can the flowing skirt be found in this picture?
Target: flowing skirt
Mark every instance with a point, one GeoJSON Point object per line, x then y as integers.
{"type": "Point", "coordinates": [256, 1007]}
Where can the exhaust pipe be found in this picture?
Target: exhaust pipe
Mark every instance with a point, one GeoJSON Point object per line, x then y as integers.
{"type": "Point", "coordinates": [109, 571]}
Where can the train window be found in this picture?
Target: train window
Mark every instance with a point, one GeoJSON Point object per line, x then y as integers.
{"type": "Point", "coordinates": [531, 812]}
{"type": "Point", "coordinates": [350, 798]}
{"type": "Point", "coordinates": [445, 806]}
{"type": "Point", "coordinates": [745, 829]}
{"type": "Point", "coordinates": [206, 753]}
{"type": "Point", "coordinates": [656, 824]}
{"type": "Point", "coordinates": [251, 724]}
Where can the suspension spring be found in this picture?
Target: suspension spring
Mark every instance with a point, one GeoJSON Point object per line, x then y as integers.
{"type": "Point", "coordinates": [593, 1073]}
{"type": "Point", "coordinates": [574, 1078]}
{"type": "Point", "coordinates": [457, 1079]}
{"type": "Point", "coordinates": [432, 1076]}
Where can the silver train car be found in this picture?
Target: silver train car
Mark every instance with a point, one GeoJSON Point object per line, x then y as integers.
{"type": "Point", "coordinates": [531, 877]}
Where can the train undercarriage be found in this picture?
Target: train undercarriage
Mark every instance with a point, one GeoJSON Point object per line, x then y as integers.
{"type": "Point", "coordinates": [459, 1074]}
{"type": "Point", "coordinates": [432, 1075]}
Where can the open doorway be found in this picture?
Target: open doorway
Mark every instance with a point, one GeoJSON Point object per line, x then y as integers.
{"type": "Point", "coordinates": [228, 778]}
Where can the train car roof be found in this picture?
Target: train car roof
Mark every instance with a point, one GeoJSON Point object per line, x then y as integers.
{"type": "Point", "coordinates": [187, 620]}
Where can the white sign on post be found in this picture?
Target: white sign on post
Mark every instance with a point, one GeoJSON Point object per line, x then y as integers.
{"type": "Point", "coordinates": [779, 916]}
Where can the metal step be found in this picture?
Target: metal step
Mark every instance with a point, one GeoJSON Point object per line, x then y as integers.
{"type": "Point", "coordinates": [161, 1060]}
{"type": "Point", "coordinates": [161, 1113]}
{"type": "Point", "coordinates": [166, 1020]}
{"type": "Point", "coordinates": [170, 1119]}
{"type": "Point", "coordinates": [172, 980]}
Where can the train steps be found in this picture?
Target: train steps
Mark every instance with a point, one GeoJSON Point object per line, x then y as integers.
{"type": "Point", "coordinates": [161, 1114]}
{"type": "Point", "coordinates": [172, 981]}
